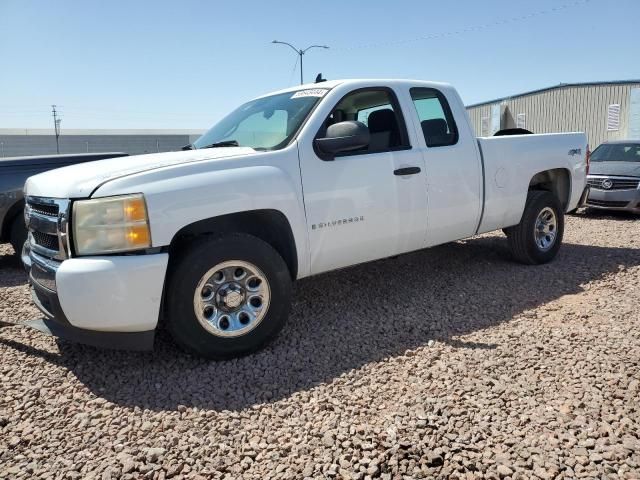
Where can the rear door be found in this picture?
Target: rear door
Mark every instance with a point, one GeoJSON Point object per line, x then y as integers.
{"type": "Point", "coordinates": [360, 206]}
{"type": "Point", "coordinates": [453, 167]}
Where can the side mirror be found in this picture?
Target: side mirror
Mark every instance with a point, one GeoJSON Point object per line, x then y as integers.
{"type": "Point", "coordinates": [342, 137]}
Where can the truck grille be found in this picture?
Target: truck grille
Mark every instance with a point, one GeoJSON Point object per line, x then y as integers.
{"type": "Point", "coordinates": [43, 209]}
{"type": "Point", "coordinates": [608, 183]}
{"type": "Point", "coordinates": [46, 220]}
{"type": "Point", "coordinates": [45, 240]}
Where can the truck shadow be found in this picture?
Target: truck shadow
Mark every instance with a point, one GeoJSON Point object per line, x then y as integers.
{"type": "Point", "coordinates": [344, 320]}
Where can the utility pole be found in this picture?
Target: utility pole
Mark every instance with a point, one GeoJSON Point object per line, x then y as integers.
{"type": "Point", "coordinates": [56, 126]}
{"type": "Point", "coordinates": [300, 53]}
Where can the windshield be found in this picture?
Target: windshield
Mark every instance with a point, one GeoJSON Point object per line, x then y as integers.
{"type": "Point", "coordinates": [266, 123]}
{"type": "Point", "coordinates": [617, 152]}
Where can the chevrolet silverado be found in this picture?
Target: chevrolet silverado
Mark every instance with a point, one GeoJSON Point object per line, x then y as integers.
{"type": "Point", "coordinates": [289, 185]}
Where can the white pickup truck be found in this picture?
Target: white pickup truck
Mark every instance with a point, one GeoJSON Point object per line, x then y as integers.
{"type": "Point", "coordinates": [291, 184]}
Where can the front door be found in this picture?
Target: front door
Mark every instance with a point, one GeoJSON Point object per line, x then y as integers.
{"type": "Point", "coordinates": [362, 206]}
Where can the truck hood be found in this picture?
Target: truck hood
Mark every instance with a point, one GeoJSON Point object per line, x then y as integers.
{"type": "Point", "coordinates": [623, 169]}
{"type": "Point", "coordinates": [79, 181]}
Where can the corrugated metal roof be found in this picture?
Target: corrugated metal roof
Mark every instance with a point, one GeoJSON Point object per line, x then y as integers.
{"type": "Point", "coordinates": [555, 87]}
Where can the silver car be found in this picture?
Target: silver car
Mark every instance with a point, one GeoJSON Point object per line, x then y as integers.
{"type": "Point", "coordinates": [614, 176]}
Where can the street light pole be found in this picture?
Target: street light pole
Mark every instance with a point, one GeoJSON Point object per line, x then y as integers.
{"type": "Point", "coordinates": [300, 53]}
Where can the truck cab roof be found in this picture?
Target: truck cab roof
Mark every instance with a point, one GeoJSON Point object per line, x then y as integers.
{"type": "Point", "coordinates": [362, 82]}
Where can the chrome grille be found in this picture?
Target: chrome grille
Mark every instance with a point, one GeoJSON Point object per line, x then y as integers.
{"type": "Point", "coordinates": [44, 209]}
{"type": "Point", "coordinates": [613, 183]}
{"type": "Point", "coordinates": [46, 220]}
{"type": "Point", "coordinates": [45, 240]}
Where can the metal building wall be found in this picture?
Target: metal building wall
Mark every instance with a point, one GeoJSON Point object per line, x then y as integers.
{"type": "Point", "coordinates": [563, 109]}
{"type": "Point", "coordinates": [14, 144]}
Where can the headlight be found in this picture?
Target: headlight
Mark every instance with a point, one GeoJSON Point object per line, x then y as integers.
{"type": "Point", "coordinates": [110, 224]}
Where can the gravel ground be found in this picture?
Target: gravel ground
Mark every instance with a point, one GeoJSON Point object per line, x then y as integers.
{"type": "Point", "coordinates": [470, 366]}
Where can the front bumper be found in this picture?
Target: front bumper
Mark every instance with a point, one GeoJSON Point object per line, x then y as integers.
{"type": "Point", "coordinates": [623, 200]}
{"type": "Point", "coordinates": [109, 301]}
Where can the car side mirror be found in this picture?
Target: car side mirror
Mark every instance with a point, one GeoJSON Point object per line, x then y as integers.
{"type": "Point", "coordinates": [343, 137]}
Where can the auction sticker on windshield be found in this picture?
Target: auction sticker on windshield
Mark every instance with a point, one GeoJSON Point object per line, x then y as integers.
{"type": "Point", "coordinates": [314, 92]}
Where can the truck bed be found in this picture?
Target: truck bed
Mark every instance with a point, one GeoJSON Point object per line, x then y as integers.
{"type": "Point", "coordinates": [509, 162]}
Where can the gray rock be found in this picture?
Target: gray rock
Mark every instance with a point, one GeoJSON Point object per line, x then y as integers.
{"type": "Point", "coordinates": [525, 375]}
{"type": "Point", "coordinates": [504, 471]}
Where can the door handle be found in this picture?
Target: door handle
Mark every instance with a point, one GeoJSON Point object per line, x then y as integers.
{"type": "Point", "coordinates": [407, 171]}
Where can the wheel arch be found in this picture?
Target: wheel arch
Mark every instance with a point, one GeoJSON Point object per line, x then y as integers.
{"type": "Point", "coordinates": [269, 225]}
{"type": "Point", "coordinates": [556, 181]}
{"type": "Point", "coordinates": [15, 209]}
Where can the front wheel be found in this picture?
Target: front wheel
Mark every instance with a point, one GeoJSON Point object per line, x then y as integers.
{"type": "Point", "coordinates": [538, 236]}
{"type": "Point", "coordinates": [227, 296]}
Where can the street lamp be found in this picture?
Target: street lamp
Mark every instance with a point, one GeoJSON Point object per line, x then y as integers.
{"type": "Point", "coordinates": [300, 52]}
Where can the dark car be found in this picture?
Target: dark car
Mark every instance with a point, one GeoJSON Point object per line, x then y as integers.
{"type": "Point", "coordinates": [614, 176]}
{"type": "Point", "coordinates": [14, 172]}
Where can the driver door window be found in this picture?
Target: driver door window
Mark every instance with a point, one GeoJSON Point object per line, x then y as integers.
{"type": "Point", "coordinates": [378, 109]}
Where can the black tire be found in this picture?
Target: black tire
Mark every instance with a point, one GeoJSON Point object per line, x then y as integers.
{"type": "Point", "coordinates": [18, 234]}
{"type": "Point", "coordinates": [186, 272]}
{"type": "Point", "coordinates": [522, 237]}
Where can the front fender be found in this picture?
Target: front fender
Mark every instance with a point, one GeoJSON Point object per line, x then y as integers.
{"type": "Point", "coordinates": [174, 201]}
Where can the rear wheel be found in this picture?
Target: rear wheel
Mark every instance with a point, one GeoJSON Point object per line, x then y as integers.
{"type": "Point", "coordinates": [538, 236]}
{"type": "Point", "coordinates": [227, 296]}
{"type": "Point", "coordinates": [18, 234]}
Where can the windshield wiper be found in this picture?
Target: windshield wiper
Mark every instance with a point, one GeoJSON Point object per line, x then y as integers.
{"type": "Point", "coordinates": [225, 143]}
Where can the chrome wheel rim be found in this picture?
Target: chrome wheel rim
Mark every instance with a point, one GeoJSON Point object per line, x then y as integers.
{"type": "Point", "coordinates": [546, 229]}
{"type": "Point", "coordinates": [232, 298]}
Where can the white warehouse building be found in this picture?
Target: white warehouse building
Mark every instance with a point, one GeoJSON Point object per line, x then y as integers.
{"type": "Point", "coordinates": [603, 110]}
{"type": "Point", "coordinates": [17, 142]}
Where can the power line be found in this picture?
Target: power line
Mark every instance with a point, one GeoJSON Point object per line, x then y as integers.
{"type": "Point", "coordinates": [472, 28]}
{"type": "Point", "coordinates": [293, 70]}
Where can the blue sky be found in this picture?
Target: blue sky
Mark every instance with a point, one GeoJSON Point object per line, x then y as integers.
{"type": "Point", "coordinates": [170, 64]}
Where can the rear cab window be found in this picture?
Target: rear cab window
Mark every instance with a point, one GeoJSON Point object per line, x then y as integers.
{"type": "Point", "coordinates": [436, 120]}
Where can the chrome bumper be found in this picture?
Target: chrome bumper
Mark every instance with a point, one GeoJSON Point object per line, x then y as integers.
{"type": "Point", "coordinates": [45, 257]}
{"type": "Point", "coordinates": [41, 270]}
{"type": "Point", "coordinates": [42, 277]}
